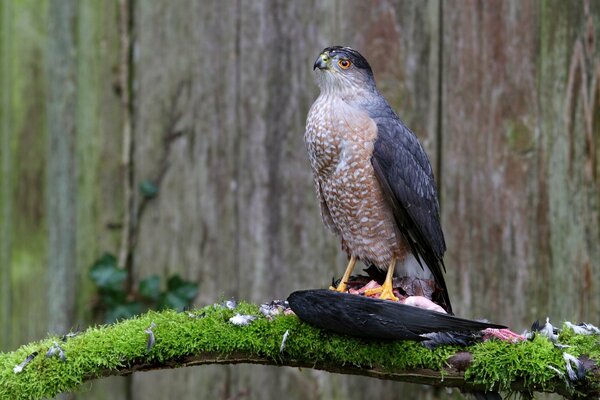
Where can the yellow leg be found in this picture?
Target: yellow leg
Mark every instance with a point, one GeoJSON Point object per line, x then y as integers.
{"type": "Point", "coordinates": [342, 286]}
{"type": "Point", "coordinates": [387, 292]}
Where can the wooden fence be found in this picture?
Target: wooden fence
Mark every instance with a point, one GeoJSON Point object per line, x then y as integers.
{"type": "Point", "coordinates": [209, 99]}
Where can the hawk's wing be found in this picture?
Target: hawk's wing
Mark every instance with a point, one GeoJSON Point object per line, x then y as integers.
{"type": "Point", "coordinates": [405, 175]}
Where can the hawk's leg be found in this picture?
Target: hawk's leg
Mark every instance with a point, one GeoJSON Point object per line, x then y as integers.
{"type": "Point", "coordinates": [386, 290]}
{"type": "Point", "coordinates": [342, 286]}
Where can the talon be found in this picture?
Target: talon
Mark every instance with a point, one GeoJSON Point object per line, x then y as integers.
{"type": "Point", "coordinates": [387, 294]}
{"type": "Point", "coordinates": [387, 290]}
{"type": "Point", "coordinates": [342, 285]}
{"type": "Point", "coordinates": [374, 291]}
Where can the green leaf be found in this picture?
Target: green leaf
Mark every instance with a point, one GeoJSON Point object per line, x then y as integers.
{"type": "Point", "coordinates": [174, 282]}
{"type": "Point", "coordinates": [179, 294]}
{"type": "Point", "coordinates": [148, 189]}
{"type": "Point", "coordinates": [183, 289]}
{"type": "Point", "coordinates": [150, 287]}
{"type": "Point", "coordinates": [106, 274]}
{"type": "Point", "coordinates": [113, 298]}
{"type": "Point", "coordinates": [187, 292]}
{"type": "Point", "coordinates": [173, 301]}
{"type": "Point", "coordinates": [123, 311]}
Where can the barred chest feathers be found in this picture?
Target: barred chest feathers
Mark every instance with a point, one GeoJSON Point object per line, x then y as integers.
{"type": "Point", "coordinates": [340, 139]}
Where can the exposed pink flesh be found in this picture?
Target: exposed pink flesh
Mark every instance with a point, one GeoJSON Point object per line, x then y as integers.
{"type": "Point", "coordinates": [371, 285]}
{"type": "Point", "coordinates": [423, 302]}
{"type": "Point", "coordinates": [505, 335]}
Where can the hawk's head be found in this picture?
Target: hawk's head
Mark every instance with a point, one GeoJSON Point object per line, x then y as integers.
{"type": "Point", "coordinates": [340, 67]}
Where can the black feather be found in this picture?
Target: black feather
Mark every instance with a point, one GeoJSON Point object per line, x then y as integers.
{"type": "Point", "coordinates": [406, 177]}
{"type": "Point", "coordinates": [373, 318]}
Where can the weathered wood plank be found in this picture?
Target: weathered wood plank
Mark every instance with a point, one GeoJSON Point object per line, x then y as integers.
{"type": "Point", "coordinates": [221, 90]}
{"type": "Point", "coordinates": [6, 187]}
{"type": "Point", "coordinates": [491, 151]}
{"type": "Point", "coordinates": [569, 108]}
{"type": "Point", "coordinates": [62, 167]}
{"type": "Point", "coordinates": [98, 149]}
{"type": "Point", "coordinates": [224, 127]}
{"type": "Point", "coordinates": [23, 248]}
{"type": "Point", "coordinates": [520, 200]}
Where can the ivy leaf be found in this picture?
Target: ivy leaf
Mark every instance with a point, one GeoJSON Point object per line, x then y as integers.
{"type": "Point", "coordinates": [106, 274]}
{"type": "Point", "coordinates": [123, 311]}
{"type": "Point", "coordinates": [179, 294]}
{"type": "Point", "coordinates": [150, 287]}
{"type": "Point", "coordinates": [184, 289]}
{"type": "Point", "coordinates": [148, 189]}
{"type": "Point", "coordinates": [174, 282]}
{"type": "Point", "coordinates": [113, 298]}
{"type": "Point", "coordinates": [173, 301]}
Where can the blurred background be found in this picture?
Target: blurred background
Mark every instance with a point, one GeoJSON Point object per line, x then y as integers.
{"type": "Point", "coordinates": [170, 135]}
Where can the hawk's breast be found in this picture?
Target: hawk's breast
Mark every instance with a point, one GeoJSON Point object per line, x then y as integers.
{"type": "Point", "coordinates": [340, 139]}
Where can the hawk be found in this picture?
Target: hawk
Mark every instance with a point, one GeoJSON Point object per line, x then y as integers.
{"type": "Point", "coordinates": [372, 177]}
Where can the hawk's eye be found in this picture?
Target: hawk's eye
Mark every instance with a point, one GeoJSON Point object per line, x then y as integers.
{"type": "Point", "coordinates": [344, 64]}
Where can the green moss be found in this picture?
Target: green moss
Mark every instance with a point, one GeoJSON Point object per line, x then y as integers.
{"type": "Point", "coordinates": [497, 364]}
{"type": "Point", "coordinates": [178, 335]}
{"type": "Point", "coordinates": [520, 137]}
{"type": "Point", "coordinates": [580, 344]}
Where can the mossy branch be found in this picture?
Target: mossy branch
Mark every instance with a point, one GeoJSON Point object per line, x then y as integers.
{"type": "Point", "coordinates": [207, 336]}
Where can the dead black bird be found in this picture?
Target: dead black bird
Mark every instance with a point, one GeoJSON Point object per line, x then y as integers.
{"type": "Point", "coordinates": [374, 318]}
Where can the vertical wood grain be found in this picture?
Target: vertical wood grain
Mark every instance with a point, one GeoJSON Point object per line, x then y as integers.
{"type": "Point", "coordinates": [23, 247]}
{"type": "Point", "coordinates": [503, 95]}
{"type": "Point", "coordinates": [6, 186]}
{"type": "Point", "coordinates": [568, 87]}
{"type": "Point", "coordinates": [492, 150]}
{"type": "Point", "coordinates": [220, 129]}
{"type": "Point", "coordinates": [61, 200]}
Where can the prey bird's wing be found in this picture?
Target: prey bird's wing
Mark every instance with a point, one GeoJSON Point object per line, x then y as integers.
{"type": "Point", "coordinates": [374, 318]}
{"type": "Point", "coordinates": [405, 174]}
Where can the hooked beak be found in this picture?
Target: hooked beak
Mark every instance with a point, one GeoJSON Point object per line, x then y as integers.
{"type": "Point", "coordinates": [321, 61]}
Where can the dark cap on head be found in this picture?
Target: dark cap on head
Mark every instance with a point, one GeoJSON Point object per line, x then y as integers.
{"type": "Point", "coordinates": [354, 56]}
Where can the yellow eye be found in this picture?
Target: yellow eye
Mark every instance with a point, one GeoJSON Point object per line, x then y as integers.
{"type": "Point", "coordinates": [344, 64]}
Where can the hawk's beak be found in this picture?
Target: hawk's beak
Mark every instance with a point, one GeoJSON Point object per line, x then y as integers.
{"type": "Point", "coordinates": [321, 61]}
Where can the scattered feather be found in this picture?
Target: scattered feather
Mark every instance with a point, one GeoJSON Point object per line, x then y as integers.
{"type": "Point", "coordinates": [56, 351]}
{"type": "Point", "coordinates": [274, 308]}
{"type": "Point", "coordinates": [19, 368]}
{"type": "Point", "coordinates": [285, 336]}
{"type": "Point", "coordinates": [230, 304]}
{"type": "Point", "coordinates": [70, 335]}
{"type": "Point", "coordinates": [558, 372]}
{"type": "Point", "coordinates": [151, 338]}
{"type": "Point", "coordinates": [435, 339]}
{"type": "Point", "coordinates": [546, 330]}
{"type": "Point", "coordinates": [193, 315]}
{"type": "Point", "coordinates": [583, 328]}
{"type": "Point", "coordinates": [242, 320]}
{"type": "Point", "coordinates": [575, 369]}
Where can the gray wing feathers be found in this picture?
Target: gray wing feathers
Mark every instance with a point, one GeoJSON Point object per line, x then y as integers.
{"type": "Point", "coordinates": [404, 165]}
{"type": "Point", "coordinates": [405, 174]}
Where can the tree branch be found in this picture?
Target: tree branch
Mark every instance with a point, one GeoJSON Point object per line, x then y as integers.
{"type": "Point", "coordinates": [208, 337]}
